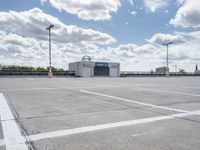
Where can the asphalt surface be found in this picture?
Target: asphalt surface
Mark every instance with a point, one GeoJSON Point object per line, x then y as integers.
{"type": "Point", "coordinates": [104, 113]}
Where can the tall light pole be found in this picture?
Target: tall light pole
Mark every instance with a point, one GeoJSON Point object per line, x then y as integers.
{"type": "Point", "coordinates": [50, 74]}
{"type": "Point", "coordinates": [167, 69]}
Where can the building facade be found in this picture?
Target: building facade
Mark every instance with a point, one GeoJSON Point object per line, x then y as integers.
{"type": "Point", "coordinates": [197, 71]}
{"type": "Point", "coordinates": [92, 69]}
{"type": "Point", "coordinates": [161, 70]}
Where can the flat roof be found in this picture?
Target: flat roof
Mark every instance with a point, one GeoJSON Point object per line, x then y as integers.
{"type": "Point", "coordinates": [101, 113]}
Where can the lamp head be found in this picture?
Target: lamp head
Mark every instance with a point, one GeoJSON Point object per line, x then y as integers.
{"type": "Point", "coordinates": [168, 43]}
{"type": "Point", "coordinates": [51, 26]}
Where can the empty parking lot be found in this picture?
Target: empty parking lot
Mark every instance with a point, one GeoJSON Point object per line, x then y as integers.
{"type": "Point", "coordinates": [100, 113]}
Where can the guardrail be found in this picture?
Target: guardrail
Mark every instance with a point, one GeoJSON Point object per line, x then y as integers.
{"type": "Point", "coordinates": [148, 74]}
{"type": "Point", "coordinates": [72, 74]}
{"type": "Point", "coordinates": [10, 73]}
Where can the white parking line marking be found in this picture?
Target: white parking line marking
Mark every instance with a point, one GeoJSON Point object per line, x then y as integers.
{"type": "Point", "coordinates": [12, 136]}
{"type": "Point", "coordinates": [104, 86]}
{"type": "Point", "coordinates": [171, 92]}
{"type": "Point", "coordinates": [60, 88]}
{"type": "Point", "coordinates": [2, 143]}
{"type": "Point", "coordinates": [80, 130]}
{"type": "Point", "coordinates": [29, 79]}
{"type": "Point", "coordinates": [132, 101]}
{"type": "Point", "coordinates": [31, 89]}
{"type": "Point", "coordinates": [191, 87]}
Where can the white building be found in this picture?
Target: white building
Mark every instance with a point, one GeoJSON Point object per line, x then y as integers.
{"type": "Point", "coordinates": [92, 69]}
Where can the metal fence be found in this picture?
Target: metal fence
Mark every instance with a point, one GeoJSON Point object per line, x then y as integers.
{"type": "Point", "coordinates": [44, 73]}
{"type": "Point", "coordinates": [72, 74]}
{"type": "Point", "coordinates": [152, 74]}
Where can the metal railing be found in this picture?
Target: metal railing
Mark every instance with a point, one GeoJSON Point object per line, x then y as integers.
{"type": "Point", "coordinates": [36, 73]}
{"type": "Point", "coordinates": [153, 74]}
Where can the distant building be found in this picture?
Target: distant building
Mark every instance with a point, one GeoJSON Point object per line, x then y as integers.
{"type": "Point", "coordinates": [161, 70]}
{"type": "Point", "coordinates": [197, 71]}
{"type": "Point", "coordinates": [87, 68]}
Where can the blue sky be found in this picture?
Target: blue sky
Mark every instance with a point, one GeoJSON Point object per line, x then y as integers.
{"type": "Point", "coordinates": [125, 31]}
{"type": "Point", "coordinates": [139, 27]}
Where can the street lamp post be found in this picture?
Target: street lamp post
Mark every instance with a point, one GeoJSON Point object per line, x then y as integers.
{"type": "Point", "coordinates": [50, 74]}
{"type": "Point", "coordinates": [167, 69]}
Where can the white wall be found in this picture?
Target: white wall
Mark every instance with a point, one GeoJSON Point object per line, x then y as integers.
{"type": "Point", "coordinates": [79, 66]}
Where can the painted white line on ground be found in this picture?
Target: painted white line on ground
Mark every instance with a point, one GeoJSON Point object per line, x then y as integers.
{"type": "Point", "coordinates": [83, 87]}
{"type": "Point", "coordinates": [171, 92]}
{"type": "Point", "coordinates": [31, 89]}
{"type": "Point", "coordinates": [29, 79]}
{"type": "Point", "coordinates": [60, 88]}
{"type": "Point", "coordinates": [2, 143]}
{"type": "Point", "coordinates": [80, 130]}
{"type": "Point", "coordinates": [191, 87]}
{"type": "Point", "coordinates": [132, 101]}
{"type": "Point", "coordinates": [12, 136]}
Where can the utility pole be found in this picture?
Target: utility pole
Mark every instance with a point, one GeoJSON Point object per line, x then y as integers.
{"type": "Point", "coordinates": [50, 74]}
{"type": "Point", "coordinates": [167, 67]}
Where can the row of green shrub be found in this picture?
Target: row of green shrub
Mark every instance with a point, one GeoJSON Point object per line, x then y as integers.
{"type": "Point", "coordinates": [14, 68]}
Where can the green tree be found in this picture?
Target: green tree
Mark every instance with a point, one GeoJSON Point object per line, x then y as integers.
{"type": "Point", "coordinates": [182, 71]}
{"type": "Point", "coordinates": [41, 69]}
{"type": "Point", "coordinates": [13, 68]}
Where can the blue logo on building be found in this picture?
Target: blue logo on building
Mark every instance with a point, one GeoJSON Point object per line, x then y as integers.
{"type": "Point", "coordinates": [101, 64]}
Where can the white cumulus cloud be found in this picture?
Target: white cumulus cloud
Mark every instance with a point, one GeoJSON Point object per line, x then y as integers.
{"type": "Point", "coordinates": [153, 5]}
{"type": "Point", "coordinates": [180, 1]}
{"type": "Point", "coordinates": [87, 9]}
{"type": "Point", "coordinates": [188, 14]}
{"type": "Point", "coordinates": [131, 2]}
{"type": "Point", "coordinates": [134, 13]}
{"type": "Point", "coordinates": [32, 23]}
{"type": "Point", "coordinates": [166, 38]}
{"type": "Point", "coordinates": [23, 36]}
